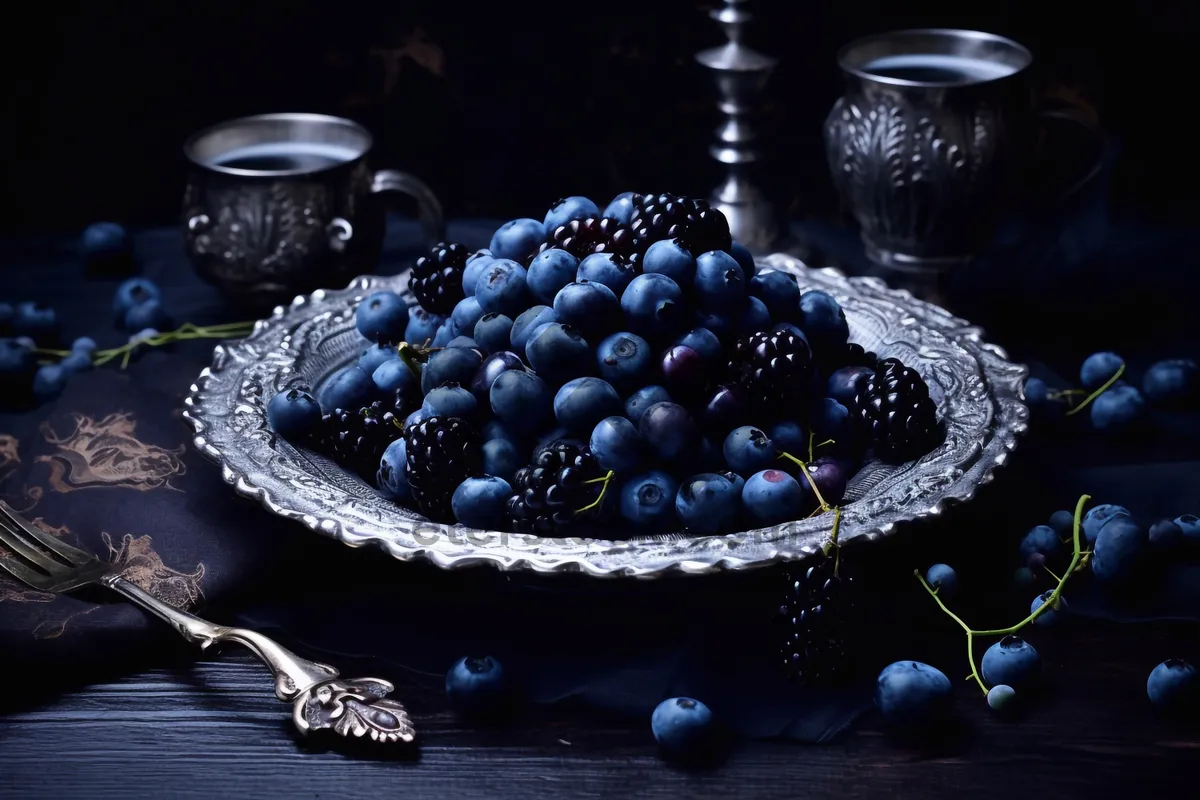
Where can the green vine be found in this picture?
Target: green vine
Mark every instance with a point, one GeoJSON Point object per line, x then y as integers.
{"type": "Point", "coordinates": [186, 332]}
{"type": "Point", "coordinates": [1079, 560]}
{"type": "Point", "coordinates": [1067, 394]}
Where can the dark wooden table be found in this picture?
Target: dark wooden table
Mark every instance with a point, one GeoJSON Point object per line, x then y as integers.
{"type": "Point", "coordinates": [214, 729]}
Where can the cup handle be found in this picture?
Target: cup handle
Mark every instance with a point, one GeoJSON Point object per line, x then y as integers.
{"type": "Point", "coordinates": [1088, 130]}
{"type": "Point", "coordinates": [429, 209]}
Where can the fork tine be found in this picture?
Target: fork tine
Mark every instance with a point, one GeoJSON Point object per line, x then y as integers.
{"type": "Point", "coordinates": [24, 574]}
{"type": "Point", "coordinates": [73, 554]}
{"type": "Point", "coordinates": [15, 542]}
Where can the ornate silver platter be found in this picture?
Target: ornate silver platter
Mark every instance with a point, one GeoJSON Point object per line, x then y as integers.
{"type": "Point", "coordinates": [978, 390]}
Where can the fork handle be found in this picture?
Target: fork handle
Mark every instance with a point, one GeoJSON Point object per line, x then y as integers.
{"type": "Point", "coordinates": [320, 698]}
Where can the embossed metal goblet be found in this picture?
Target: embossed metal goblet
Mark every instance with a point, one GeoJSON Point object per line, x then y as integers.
{"type": "Point", "coordinates": [928, 143]}
{"type": "Point", "coordinates": [282, 204]}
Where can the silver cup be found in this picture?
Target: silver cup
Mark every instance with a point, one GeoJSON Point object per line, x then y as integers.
{"type": "Point", "coordinates": [929, 144]}
{"type": "Point", "coordinates": [281, 204]}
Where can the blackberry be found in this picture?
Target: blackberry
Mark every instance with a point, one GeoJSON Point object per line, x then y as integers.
{"type": "Point", "coordinates": [582, 237]}
{"type": "Point", "coordinates": [698, 227]}
{"type": "Point", "coordinates": [441, 453]}
{"type": "Point", "coordinates": [776, 367]}
{"type": "Point", "coordinates": [893, 407]}
{"type": "Point", "coordinates": [817, 616]}
{"type": "Point", "coordinates": [356, 439]}
{"type": "Point", "coordinates": [436, 279]}
{"type": "Point", "coordinates": [549, 493]}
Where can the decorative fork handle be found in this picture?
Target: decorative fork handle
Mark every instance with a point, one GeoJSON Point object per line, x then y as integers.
{"type": "Point", "coordinates": [320, 699]}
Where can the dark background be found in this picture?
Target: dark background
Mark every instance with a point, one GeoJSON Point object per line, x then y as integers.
{"type": "Point", "coordinates": [502, 107]}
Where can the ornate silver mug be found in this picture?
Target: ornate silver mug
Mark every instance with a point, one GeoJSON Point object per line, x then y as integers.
{"type": "Point", "coordinates": [930, 143]}
{"type": "Point", "coordinates": [282, 204]}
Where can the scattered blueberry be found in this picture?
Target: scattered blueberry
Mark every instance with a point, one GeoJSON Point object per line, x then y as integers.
{"type": "Point", "coordinates": [1173, 685]}
{"type": "Point", "coordinates": [133, 292]}
{"type": "Point", "coordinates": [1099, 516]}
{"type": "Point", "coordinates": [477, 685]}
{"type": "Point", "coordinates": [624, 360]}
{"type": "Point", "coordinates": [771, 497]}
{"type": "Point", "coordinates": [1118, 551]}
{"type": "Point", "coordinates": [149, 314]}
{"type": "Point", "coordinates": [76, 363]}
{"type": "Point", "coordinates": [517, 240]}
{"type": "Point", "coordinates": [616, 444]}
{"type": "Point", "coordinates": [84, 344]}
{"type": "Point", "coordinates": [648, 500]}
{"type": "Point", "coordinates": [567, 209]}
{"type": "Point", "coordinates": [49, 381]}
{"type": "Point", "coordinates": [1063, 522]}
{"type": "Point", "coordinates": [912, 695]}
{"type": "Point", "coordinates": [549, 271]}
{"type": "Point", "coordinates": [710, 503]}
{"type": "Point", "coordinates": [1012, 661]}
{"type": "Point", "coordinates": [106, 246]}
{"type": "Point", "coordinates": [943, 578]}
{"type": "Point", "coordinates": [37, 322]}
{"type": "Point", "coordinates": [581, 403]}
{"type": "Point", "coordinates": [293, 414]}
{"type": "Point", "coordinates": [1117, 407]}
{"type": "Point", "coordinates": [1023, 578]}
{"type": "Point", "coordinates": [479, 502]}
{"type": "Point", "coordinates": [1175, 382]}
{"type": "Point", "coordinates": [1001, 697]}
{"type": "Point", "coordinates": [501, 288]}
{"type": "Point", "coordinates": [1042, 539]}
{"type": "Point", "coordinates": [376, 354]}
{"type": "Point", "coordinates": [683, 727]}
{"type": "Point", "coordinates": [668, 257]}
{"type": "Point", "coordinates": [1052, 615]}
{"type": "Point", "coordinates": [637, 403]}
{"type": "Point", "coordinates": [521, 400]}
{"type": "Point", "coordinates": [382, 317]}
{"type": "Point", "coordinates": [1037, 393]}
{"type": "Point", "coordinates": [779, 291]}
{"type": "Point", "coordinates": [347, 388]}
{"type": "Point", "coordinates": [1190, 525]}
{"type": "Point", "coordinates": [1098, 369]}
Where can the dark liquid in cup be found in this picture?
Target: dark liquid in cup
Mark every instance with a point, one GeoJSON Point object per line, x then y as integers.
{"type": "Point", "coordinates": [286, 157]}
{"type": "Point", "coordinates": [937, 69]}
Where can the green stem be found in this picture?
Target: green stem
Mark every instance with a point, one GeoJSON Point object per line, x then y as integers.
{"type": "Point", "coordinates": [1103, 388]}
{"type": "Point", "coordinates": [603, 489]}
{"type": "Point", "coordinates": [409, 356]}
{"type": "Point", "coordinates": [804, 471]}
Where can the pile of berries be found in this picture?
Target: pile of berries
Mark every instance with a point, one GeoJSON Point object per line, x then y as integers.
{"type": "Point", "coordinates": [628, 365]}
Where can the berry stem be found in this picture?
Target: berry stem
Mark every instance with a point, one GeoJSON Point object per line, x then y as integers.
{"type": "Point", "coordinates": [804, 471]}
{"type": "Point", "coordinates": [409, 356]}
{"type": "Point", "coordinates": [1103, 388]}
{"type": "Point", "coordinates": [600, 497]}
{"type": "Point", "coordinates": [1078, 557]}
{"type": "Point", "coordinates": [1050, 572]}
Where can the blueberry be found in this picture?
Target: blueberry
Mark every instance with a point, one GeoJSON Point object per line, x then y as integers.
{"type": "Point", "coordinates": [843, 384]}
{"type": "Point", "coordinates": [1001, 697]}
{"type": "Point", "coordinates": [648, 500]}
{"type": "Point", "coordinates": [624, 360]}
{"type": "Point", "coordinates": [653, 305]}
{"type": "Point", "coordinates": [144, 335]}
{"type": "Point", "coordinates": [493, 332]}
{"type": "Point", "coordinates": [498, 429]}
{"type": "Point", "coordinates": [84, 344]}
{"type": "Point", "coordinates": [476, 264]}
{"type": "Point", "coordinates": [748, 449]}
{"type": "Point", "coordinates": [452, 365]}
{"type": "Point", "coordinates": [567, 209]}
{"type": "Point", "coordinates": [720, 282]}
{"type": "Point", "coordinates": [1037, 393]}
{"type": "Point", "coordinates": [1099, 516]}
{"type": "Point", "coordinates": [640, 401]}
{"type": "Point", "coordinates": [527, 322]}
{"type": "Point", "coordinates": [133, 292]}
{"type": "Point", "coordinates": [348, 388]}
{"type": "Point", "coordinates": [913, 695]}
{"type": "Point", "coordinates": [149, 314]}
{"type": "Point", "coordinates": [1175, 382]}
{"type": "Point", "coordinates": [491, 368]}
{"type": "Point", "coordinates": [668, 257]}
{"type": "Point", "coordinates": [744, 258]}
{"type": "Point", "coordinates": [558, 353]}
{"type": "Point", "coordinates": [391, 476]}
{"type": "Point", "coordinates": [683, 727]}
{"type": "Point", "coordinates": [710, 502]}
{"type": "Point", "coordinates": [49, 381]}
{"type": "Point", "coordinates": [451, 400]}
{"type": "Point", "coordinates": [521, 400]}
{"type": "Point", "coordinates": [1040, 539]}
{"type": "Point", "coordinates": [621, 208]}
{"type": "Point", "coordinates": [422, 326]}
{"type": "Point", "coordinates": [830, 478]}
{"type": "Point", "coordinates": [417, 417]}
{"type": "Point", "coordinates": [502, 458]}
{"type": "Point", "coordinates": [1173, 685]}
{"type": "Point", "coordinates": [1190, 525]}
{"type": "Point", "coordinates": [791, 328]}
{"type": "Point", "coordinates": [703, 341]}
{"type": "Point", "coordinates": [724, 410]}
{"type": "Point", "coordinates": [501, 288]}
{"type": "Point", "coordinates": [466, 314]}
{"type": "Point", "coordinates": [105, 245]}
{"type": "Point", "coordinates": [1098, 369]}
{"type": "Point", "coordinates": [790, 437]}
{"type": "Point", "coordinates": [684, 372]}
{"type": "Point", "coordinates": [517, 240]}
{"type": "Point", "coordinates": [37, 322]}
{"type": "Point", "coordinates": [1119, 549]}
{"type": "Point", "coordinates": [76, 363]}
{"type": "Point", "coordinates": [616, 444]}
{"type": "Point", "coordinates": [754, 317]}
{"type": "Point", "coordinates": [370, 358]}
{"type": "Point", "coordinates": [607, 269]}
{"type": "Point", "coordinates": [1117, 407]}
{"type": "Point", "coordinates": [293, 414]}
{"type": "Point", "coordinates": [779, 291]}
{"type": "Point", "coordinates": [447, 333]}
{"type": "Point", "coordinates": [591, 308]}
{"type": "Point", "coordinates": [382, 317]}
{"type": "Point", "coordinates": [1165, 536]}
{"type": "Point", "coordinates": [831, 420]}
{"type": "Point", "coordinates": [464, 341]}
{"type": "Point", "coordinates": [1023, 578]}
{"type": "Point", "coordinates": [1063, 522]}
{"type": "Point", "coordinates": [1012, 661]}
{"type": "Point", "coordinates": [479, 502]}
{"type": "Point", "coordinates": [719, 322]}
{"type": "Point", "coordinates": [1052, 615]}
{"type": "Point", "coordinates": [823, 320]}
{"type": "Point", "coordinates": [772, 496]}
{"type": "Point", "coordinates": [668, 430]}
{"type": "Point", "coordinates": [581, 403]}
{"type": "Point", "coordinates": [549, 271]}
{"type": "Point", "coordinates": [477, 685]}
{"type": "Point", "coordinates": [943, 578]}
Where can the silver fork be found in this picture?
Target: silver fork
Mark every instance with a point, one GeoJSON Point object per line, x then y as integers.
{"type": "Point", "coordinates": [321, 700]}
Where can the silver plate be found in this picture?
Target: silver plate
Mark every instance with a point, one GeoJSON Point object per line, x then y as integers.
{"type": "Point", "coordinates": [978, 390]}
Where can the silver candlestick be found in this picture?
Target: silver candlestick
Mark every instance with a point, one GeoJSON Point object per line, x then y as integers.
{"type": "Point", "coordinates": [741, 75]}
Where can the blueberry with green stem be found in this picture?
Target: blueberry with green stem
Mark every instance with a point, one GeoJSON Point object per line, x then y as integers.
{"type": "Point", "coordinates": [772, 496]}
{"type": "Point", "coordinates": [1012, 661]}
{"type": "Point", "coordinates": [1173, 685]}
{"type": "Point", "coordinates": [1099, 368]}
{"type": "Point", "coordinates": [1117, 408]}
{"type": "Point", "coordinates": [943, 578]}
{"type": "Point", "coordinates": [1099, 516]}
{"type": "Point", "coordinates": [1041, 539]}
{"type": "Point", "coordinates": [1037, 394]}
{"type": "Point", "coordinates": [1119, 550]}
{"type": "Point", "coordinates": [132, 292]}
{"type": "Point", "coordinates": [1052, 615]}
{"type": "Point", "coordinates": [49, 382]}
{"type": "Point", "coordinates": [1062, 521]}
{"type": "Point", "coordinates": [1001, 698]}
{"type": "Point", "coordinates": [149, 314]}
